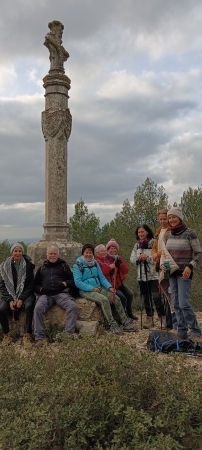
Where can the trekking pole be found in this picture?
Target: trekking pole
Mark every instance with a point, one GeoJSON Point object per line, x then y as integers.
{"type": "Point", "coordinates": [141, 302]}
{"type": "Point", "coordinates": [114, 284]}
{"type": "Point", "coordinates": [160, 294]}
{"type": "Point", "coordinates": [149, 292]}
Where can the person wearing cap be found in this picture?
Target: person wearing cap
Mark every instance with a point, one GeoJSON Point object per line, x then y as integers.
{"type": "Point", "coordinates": [53, 283]}
{"type": "Point", "coordinates": [17, 292]}
{"type": "Point", "coordinates": [115, 261]}
{"type": "Point", "coordinates": [161, 232]}
{"type": "Point", "coordinates": [93, 286]}
{"type": "Point", "coordinates": [183, 247]}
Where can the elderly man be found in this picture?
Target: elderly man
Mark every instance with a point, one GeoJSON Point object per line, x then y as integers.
{"type": "Point", "coordinates": [53, 281]}
{"type": "Point", "coordinates": [160, 235]}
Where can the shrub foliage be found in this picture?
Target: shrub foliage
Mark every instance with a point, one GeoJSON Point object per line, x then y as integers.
{"type": "Point", "coordinates": [100, 395]}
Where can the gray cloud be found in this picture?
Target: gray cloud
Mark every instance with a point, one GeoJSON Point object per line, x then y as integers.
{"type": "Point", "coordinates": [135, 101]}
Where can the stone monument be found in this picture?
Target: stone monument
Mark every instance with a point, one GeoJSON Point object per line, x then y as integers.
{"type": "Point", "coordinates": [56, 127]}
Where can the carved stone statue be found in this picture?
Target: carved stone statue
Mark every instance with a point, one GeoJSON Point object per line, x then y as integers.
{"type": "Point", "coordinates": [53, 41]}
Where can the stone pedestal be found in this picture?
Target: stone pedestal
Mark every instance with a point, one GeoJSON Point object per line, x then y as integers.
{"type": "Point", "coordinates": [69, 251]}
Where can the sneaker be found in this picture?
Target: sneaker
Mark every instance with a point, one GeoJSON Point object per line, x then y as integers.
{"type": "Point", "coordinates": [115, 329]}
{"type": "Point", "coordinates": [148, 323]}
{"type": "Point", "coordinates": [127, 326]}
{"type": "Point", "coordinates": [27, 340]}
{"type": "Point", "coordinates": [6, 340]}
{"type": "Point", "coordinates": [40, 342]}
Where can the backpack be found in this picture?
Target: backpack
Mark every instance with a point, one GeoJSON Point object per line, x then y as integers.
{"type": "Point", "coordinates": [166, 342]}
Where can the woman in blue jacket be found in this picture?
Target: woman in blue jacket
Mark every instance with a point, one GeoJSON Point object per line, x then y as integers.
{"type": "Point", "coordinates": [93, 286]}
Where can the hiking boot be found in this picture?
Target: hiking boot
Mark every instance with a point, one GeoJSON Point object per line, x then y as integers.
{"type": "Point", "coordinates": [27, 340]}
{"type": "Point", "coordinates": [196, 339]}
{"type": "Point", "coordinates": [6, 340]}
{"type": "Point", "coordinates": [115, 329]}
{"type": "Point", "coordinates": [148, 323]}
{"type": "Point", "coordinates": [40, 343]}
{"type": "Point", "coordinates": [127, 326]}
{"type": "Point", "coordinates": [134, 317]}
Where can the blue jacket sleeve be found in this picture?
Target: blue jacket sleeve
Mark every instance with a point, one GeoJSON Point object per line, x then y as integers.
{"type": "Point", "coordinates": [104, 282]}
{"type": "Point", "coordinates": [81, 285]}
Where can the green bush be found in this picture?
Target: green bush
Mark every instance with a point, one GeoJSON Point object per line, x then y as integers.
{"type": "Point", "coordinates": [100, 395]}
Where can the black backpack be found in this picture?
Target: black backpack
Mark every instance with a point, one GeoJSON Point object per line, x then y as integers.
{"type": "Point", "coordinates": [166, 342]}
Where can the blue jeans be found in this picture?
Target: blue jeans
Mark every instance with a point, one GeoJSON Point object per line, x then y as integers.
{"type": "Point", "coordinates": [180, 293]}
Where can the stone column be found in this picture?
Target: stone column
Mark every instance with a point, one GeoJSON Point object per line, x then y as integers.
{"type": "Point", "coordinates": [56, 127]}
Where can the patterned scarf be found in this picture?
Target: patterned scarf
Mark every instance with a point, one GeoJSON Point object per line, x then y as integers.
{"type": "Point", "coordinates": [7, 275]}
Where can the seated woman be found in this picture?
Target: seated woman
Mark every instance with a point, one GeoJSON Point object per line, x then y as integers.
{"type": "Point", "coordinates": [17, 291]}
{"type": "Point", "coordinates": [92, 285]}
{"type": "Point", "coordinates": [146, 274]}
{"type": "Point", "coordinates": [117, 263]}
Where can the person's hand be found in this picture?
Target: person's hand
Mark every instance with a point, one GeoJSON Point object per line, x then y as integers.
{"type": "Point", "coordinates": [155, 258]}
{"type": "Point", "coordinates": [163, 268]}
{"type": "Point", "coordinates": [11, 304]}
{"type": "Point", "coordinates": [19, 303]}
{"type": "Point", "coordinates": [142, 257]}
{"type": "Point", "coordinates": [112, 266]}
{"type": "Point", "coordinates": [65, 284]}
{"type": "Point", "coordinates": [96, 289]}
{"type": "Point", "coordinates": [112, 290]}
{"type": "Point", "coordinates": [186, 273]}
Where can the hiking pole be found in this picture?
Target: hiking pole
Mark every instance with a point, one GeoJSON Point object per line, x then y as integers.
{"type": "Point", "coordinates": [141, 302]}
{"type": "Point", "coordinates": [149, 292]}
{"type": "Point", "coordinates": [114, 284]}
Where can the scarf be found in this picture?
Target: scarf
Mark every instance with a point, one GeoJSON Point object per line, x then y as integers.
{"type": "Point", "coordinates": [143, 243]}
{"type": "Point", "coordinates": [7, 276]}
{"type": "Point", "coordinates": [90, 263]}
{"type": "Point", "coordinates": [178, 229]}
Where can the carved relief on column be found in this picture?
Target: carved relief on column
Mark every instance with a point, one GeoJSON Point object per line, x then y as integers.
{"type": "Point", "coordinates": [56, 124]}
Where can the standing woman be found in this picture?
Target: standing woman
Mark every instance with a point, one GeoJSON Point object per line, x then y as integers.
{"type": "Point", "coordinates": [146, 274]}
{"type": "Point", "coordinates": [17, 291]}
{"type": "Point", "coordinates": [183, 245]}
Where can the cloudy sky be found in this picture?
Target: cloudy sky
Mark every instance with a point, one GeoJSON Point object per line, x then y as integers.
{"type": "Point", "coordinates": [136, 100]}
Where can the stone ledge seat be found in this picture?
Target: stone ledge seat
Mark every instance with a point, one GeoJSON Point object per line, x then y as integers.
{"type": "Point", "coordinates": [89, 318]}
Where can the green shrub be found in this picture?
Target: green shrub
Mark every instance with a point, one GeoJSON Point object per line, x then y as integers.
{"type": "Point", "coordinates": [100, 395]}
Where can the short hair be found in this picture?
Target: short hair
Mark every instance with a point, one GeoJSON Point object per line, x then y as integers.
{"type": "Point", "coordinates": [99, 247]}
{"type": "Point", "coordinates": [162, 211]}
{"type": "Point", "coordinates": [55, 247]}
{"type": "Point", "coordinates": [146, 228]}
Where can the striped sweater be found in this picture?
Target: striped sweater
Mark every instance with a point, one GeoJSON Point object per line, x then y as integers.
{"type": "Point", "coordinates": [184, 248]}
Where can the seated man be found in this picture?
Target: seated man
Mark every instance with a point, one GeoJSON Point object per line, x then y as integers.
{"type": "Point", "coordinates": [53, 281]}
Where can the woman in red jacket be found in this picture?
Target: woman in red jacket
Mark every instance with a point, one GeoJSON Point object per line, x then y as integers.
{"type": "Point", "coordinates": [111, 263]}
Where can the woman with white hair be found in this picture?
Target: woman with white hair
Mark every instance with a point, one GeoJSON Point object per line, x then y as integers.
{"type": "Point", "coordinates": [17, 291]}
{"type": "Point", "coordinates": [183, 248]}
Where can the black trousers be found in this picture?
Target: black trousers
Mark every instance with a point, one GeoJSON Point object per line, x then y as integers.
{"type": "Point", "coordinates": [150, 293]}
{"type": "Point", "coordinates": [5, 310]}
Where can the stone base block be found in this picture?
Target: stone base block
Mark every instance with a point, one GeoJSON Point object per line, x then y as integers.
{"type": "Point", "coordinates": [69, 250]}
{"type": "Point", "coordinates": [89, 328]}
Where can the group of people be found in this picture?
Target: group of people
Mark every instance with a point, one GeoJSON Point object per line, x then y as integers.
{"type": "Point", "coordinates": [99, 275]}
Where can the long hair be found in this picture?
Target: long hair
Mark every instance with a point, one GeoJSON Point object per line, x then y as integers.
{"type": "Point", "coordinates": [146, 228]}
